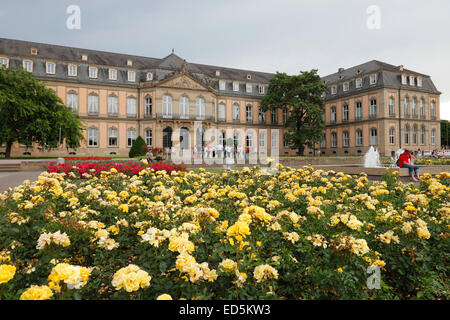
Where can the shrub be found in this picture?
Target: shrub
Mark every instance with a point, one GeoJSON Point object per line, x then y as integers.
{"type": "Point", "coordinates": [139, 148]}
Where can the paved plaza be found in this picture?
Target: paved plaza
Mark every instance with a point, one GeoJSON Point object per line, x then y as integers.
{"type": "Point", "coordinates": [14, 179]}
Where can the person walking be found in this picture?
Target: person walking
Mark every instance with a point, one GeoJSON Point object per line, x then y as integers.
{"type": "Point", "coordinates": [404, 161]}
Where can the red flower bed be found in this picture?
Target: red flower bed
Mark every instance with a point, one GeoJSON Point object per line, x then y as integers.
{"type": "Point", "coordinates": [95, 168]}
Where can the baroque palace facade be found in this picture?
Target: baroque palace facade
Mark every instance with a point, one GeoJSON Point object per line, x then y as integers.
{"type": "Point", "coordinates": [120, 97]}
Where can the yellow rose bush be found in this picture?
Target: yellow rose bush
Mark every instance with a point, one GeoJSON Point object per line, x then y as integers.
{"type": "Point", "coordinates": [295, 234]}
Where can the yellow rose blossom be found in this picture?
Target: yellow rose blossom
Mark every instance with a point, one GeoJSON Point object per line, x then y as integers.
{"type": "Point", "coordinates": [7, 272]}
{"type": "Point", "coordinates": [37, 293]}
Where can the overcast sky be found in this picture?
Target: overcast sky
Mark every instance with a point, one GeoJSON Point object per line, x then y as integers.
{"type": "Point", "coordinates": [264, 35]}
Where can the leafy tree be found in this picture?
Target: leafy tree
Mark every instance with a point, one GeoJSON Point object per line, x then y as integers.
{"type": "Point", "coordinates": [139, 148]}
{"type": "Point", "coordinates": [301, 95]}
{"type": "Point", "coordinates": [30, 112]}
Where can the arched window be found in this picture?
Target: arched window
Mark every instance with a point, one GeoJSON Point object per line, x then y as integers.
{"type": "Point", "coordinates": [184, 138]}
{"type": "Point", "coordinates": [235, 112]}
{"type": "Point", "coordinates": [184, 107]}
{"type": "Point", "coordinates": [422, 135]}
{"type": "Point", "coordinates": [433, 109]}
{"type": "Point", "coordinates": [112, 137]}
{"type": "Point", "coordinates": [131, 107]}
{"type": "Point", "coordinates": [200, 108]}
{"type": "Point", "coordinates": [249, 140]}
{"type": "Point", "coordinates": [167, 106]}
{"type": "Point", "coordinates": [249, 113]}
{"type": "Point", "coordinates": [92, 104]}
{"type": "Point", "coordinates": [359, 137]}
{"type": "Point", "coordinates": [72, 101]}
{"type": "Point", "coordinates": [148, 137]}
{"type": "Point", "coordinates": [407, 134]}
{"type": "Point", "coordinates": [414, 134]}
{"type": "Point", "coordinates": [167, 137]}
{"type": "Point", "coordinates": [148, 106]}
{"type": "Point", "coordinates": [113, 106]}
{"type": "Point", "coordinates": [373, 137]}
{"type": "Point", "coordinates": [131, 137]}
{"type": "Point", "coordinates": [222, 112]}
{"type": "Point", "coordinates": [93, 137]}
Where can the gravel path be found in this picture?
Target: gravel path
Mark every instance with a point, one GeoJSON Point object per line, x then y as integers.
{"type": "Point", "coordinates": [14, 179]}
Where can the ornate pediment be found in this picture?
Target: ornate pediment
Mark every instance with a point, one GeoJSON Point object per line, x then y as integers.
{"type": "Point", "coordinates": [183, 82]}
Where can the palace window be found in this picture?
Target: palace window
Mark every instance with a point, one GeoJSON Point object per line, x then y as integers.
{"type": "Point", "coordinates": [419, 81]}
{"type": "Point", "coordinates": [333, 114]}
{"type": "Point", "coordinates": [359, 137]}
{"type": "Point", "coordinates": [261, 89]}
{"type": "Point", "coordinates": [261, 115]}
{"type": "Point", "coordinates": [406, 106]}
{"type": "Point", "coordinates": [433, 136]}
{"type": "Point", "coordinates": [93, 72]}
{"type": "Point", "coordinates": [285, 141]}
{"type": "Point", "coordinates": [414, 107]}
{"type": "Point", "coordinates": [248, 87]}
{"type": "Point", "coordinates": [131, 76]}
{"type": "Point", "coordinates": [392, 136]}
{"type": "Point", "coordinates": [345, 112]}
{"type": "Point", "coordinates": [422, 135]}
{"type": "Point", "coordinates": [131, 107]}
{"type": "Point", "coordinates": [414, 134]}
{"type": "Point", "coordinates": [72, 102]}
{"type": "Point", "coordinates": [72, 70]}
{"type": "Point", "coordinates": [323, 142]}
{"type": "Point", "coordinates": [93, 104]}
{"type": "Point", "coordinates": [148, 137]}
{"type": "Point", "coordinates": [235, 86]}
{"type": "Point", "coordinates": [358, 83]}
{"type": "Point", "coordinates": [345, 86]}
{"type": "Point", "coordinates": [373, 136]}
{"type": "Point", "coordinates": [222, 113]}
{"type": "Point", "coordinates": [333, 139]}
{"type": "Point", "coordinates": [112, 137]}
{"type": "Point", "coordinates": [274, 140]}
{"type": "Point", "coordinates": [404, 79]}
{"type": "Point", "coordinates": [333, 89]}
{"type": "Point", "coordinates": [50, 68]}
{"type": "Point", "coordinates": [391, 106]}
{"type": "Point", "coordinates": [93, 137]}
{"type": "Point", "coordinates": [200, 104]}
{"type": "Point", "coordinates": [112, 74]}
{"type": "Point", "coordinates": [28, 65]}
{"type": "Point", "coordinates": [235, 112]}
{"type": "Point", "coordinates": [131, 137]}
{"type": "Point", "coordinates": [249, 113]}
{"type": "Point", "coordinates": [148, 106]}
{"type": "Point", "coordinates": [433, 109]}
{"type": "Point", "coordinates": [411, 80]}
{"type": "Point", "coordinates": [422, 108]}
{"type": "Point", "coordinates": [222, 85]}
{"type": "Point", "coordinates": [358, 110]}
{"type": "Point", "coordinates": [274, 115]}
{"type": "Point", "coordinates": [167, 106]}
{"type": "Point", "coordinates": [373, 108]}
{"type": "Point", "coordinates": [149, 76]}
{"type": "Point", "coordinates": [373, 79]}
{"type": "Point", "coordinates": [262, 139]}
{"type": "Point", "coordinates": [345, 139]}
{"type": "Point", "coordinates": [407, 134]}
{"type": "Point", "coordinates": [113, 106]}
{"type": "Point", "coordinates": [184, 107]}
{"type": "Point", "coordinates": [285, 116]}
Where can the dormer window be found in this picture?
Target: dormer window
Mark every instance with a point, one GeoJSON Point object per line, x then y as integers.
{"type": "Point", "coordinates": [131, 76]}
{"type": "Point", "coordinates": [261, 89]}
{"type": "Point", "coordinates": [28, 65]}
{"type": "Point", "coordinates": [249, 76]}
{"type": "Point", "coordinates": [345, 86]}
{"type": "Point", "coordinates": [72, 70]}
{"type": "Point", "coordinates": [93, 71]}
{"type": "Point", "coordinates": [50, 67]}
{"type": "Point", "coordinates": [404, 79]}
{"type": "Point", "coordinates": [84, 57]}
{"type": "Point", "coordinates": [221, 84]}
{"type": "Point", "coordinates": [129, 63]}
{"type": "Point", "coordinates": [235, 86]}
{"type": "Point", "coordinates": [217, 73]}
{"type": "Point", "coordinates": [333, 89]}
{"type": "Point", "coordinates": [373, 79]}
{"type": "Point", "coordinates": [248, 87]}
{"type": "Point", "coordinates": [358, 83]}
{"type": "Point", "coordinates": [419, 81]}
{"type": "Point", "coordinates": [112, 74]}
{"type": "Point", "coordinates": [411, 80]}
{"type": "Point", "coordinates": [149, 76]}
{"type": "Point", "coordinates": [34, 51]}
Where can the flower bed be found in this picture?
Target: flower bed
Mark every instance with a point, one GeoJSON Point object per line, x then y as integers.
{"type": "Point", "coordinates": [297, 234]}
{"type": "Point", "coordinates": [89, 169]}
{"type": "Point", "coordinates": [86, 158]}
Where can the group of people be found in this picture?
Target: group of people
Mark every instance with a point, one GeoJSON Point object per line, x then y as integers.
{"type": "Point", "coordinates": [151, 158]}
{"type": "Point", "coordinates": [220, 151]}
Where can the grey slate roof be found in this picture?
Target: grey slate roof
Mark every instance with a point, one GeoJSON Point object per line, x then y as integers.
{"type": "Point", "coordinates": [387, 76]}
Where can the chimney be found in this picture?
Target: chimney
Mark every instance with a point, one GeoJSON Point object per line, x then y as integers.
{"type": "Point", "coordinates": [341, 70]}
{"type": "Point", "coordinates": [400, 67]}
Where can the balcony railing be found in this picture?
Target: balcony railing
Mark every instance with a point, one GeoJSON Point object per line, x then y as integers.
{"type": "Point", "coordinates": [176, 116]}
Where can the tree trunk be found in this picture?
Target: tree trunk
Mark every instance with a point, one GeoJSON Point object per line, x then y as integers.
{"type": "Point", "coordinates": [8, 149]}
{"type": "Point", "coordinates": [301, 150]}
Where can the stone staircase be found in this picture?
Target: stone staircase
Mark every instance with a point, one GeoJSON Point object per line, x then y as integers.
{"type": "Point", "coordinates": [10, 167]}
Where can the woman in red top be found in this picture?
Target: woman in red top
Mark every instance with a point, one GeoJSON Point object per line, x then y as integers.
{"type": "Point", "coordinates": [404, 161]}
